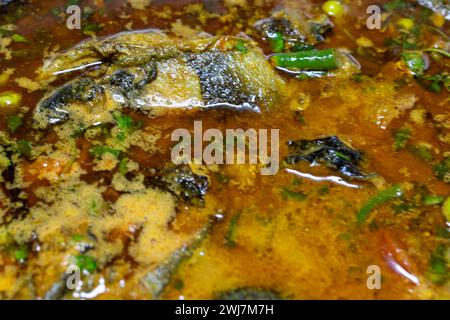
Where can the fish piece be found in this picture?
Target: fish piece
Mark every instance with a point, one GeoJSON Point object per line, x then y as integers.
{"type": "Point", "coordinates": [299, 32]}
{"type": "Point", "coordinates": [155, 71]}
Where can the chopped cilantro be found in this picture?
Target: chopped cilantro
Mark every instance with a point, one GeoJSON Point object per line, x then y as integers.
{"type": "Point", "coordinates": [240, 46]}
{"type": "Point", "coordinates": [230, 237]}
{"type": "Point", "coordinates": [395, 5]}
{"type": "Point", "coordinates": [18, 38]}
{"type": "Point", "coordinates": [86, 263]}
{"type": "Point", "coordinates": [24, 147]}
{"type": "Point", "coordinates": [21, 254]}
{"type": "Point", "coordinates": [94, 208]}
{"type": "Point", "coordinates": [324, 190]}
{"type": "Point", "coordinates": [289, 194]}
{"type": "Point", "coordinates": [358, 78]}
{"type": "Point", "coordinates": [443, 232]}
{"type": "Point", "coordinates": [126, 125]}
{"type": "Point", "coordinates": [56, 11]}
{"type": "Point", "coordinates": [437, 269]}
{"type": "Point", "coordinates": [422, 152]}
{"type": "Point", "coordinates": [72, 2]}
{"type": "Point", "coordinates": [91, 27]}
{"type": "Point", "coordinates": [442, 170]}
{"type": "Point", "coordinates": [401, 138]}
{"type": "Point", "coordinates": [431, 200]}
{"type": "Point", "coordinates": [77, 237]}
{"type": "Point", "coordinates": [14, 122]}
{"type": "Point", "coordinates": [436, 82]}
{"type": "Point", "coordinates": [415, 62]}
{"type": "Point", "coordinates": [123, 166]}
{"type": "Point", "coordinates": [403, 207]}
{"type": "Point", "coordinates": [99, 151]}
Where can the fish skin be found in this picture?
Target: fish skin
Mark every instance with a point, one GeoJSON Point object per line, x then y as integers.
{"type": "Point", "coordinates": [155, 71]}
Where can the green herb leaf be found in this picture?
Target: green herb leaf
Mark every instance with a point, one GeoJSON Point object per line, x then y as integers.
{"type": "Point", "coordinates": [24, 147]}
{"type": "Point", "coordinates": [99, 151]}
{"type": "Point", "coordinates": [415, 61]}
{"type": "Point", "coordinates": [435, 82]}
{"type": "Point", "coordinates": [123, 166]}
{"type": "Point", "coordinates": [230, 237]}
{"type": "Point", "coordinates": [401, 138]}
{"type": "Point", "coordinates": [56, 11]}
{"type": "Point", "coordinates": [431, 200]}
{"type": "Point", "coordinates": [438, 271]}
{"type": "Point", "coordinates": [86, 263]}
{"type": "Point", "coordinates": [403, 207]}
{"type": "Point", "coordinates": [91, 27]}
{"type": "Point", "coordinates": [422, 152]}
{"type": "Point", "coordinates": [440, 51]}
{"type": "Point", "coordinates": [395, 5]}
{"type": "Point", "coordinates": [77, 237]}
{"type": "Point", "coordinates": [72, 2]}
{"type": "Point", "coordinates": [18, 38]}
{"type": "Point", "coordinates": [240, 46]}
{"type": "Point", "coordinates": [14, 122]}
{"type": "Point", "coordinates": [276, 41]}
{"type": "Point", "coordinates": [94, 208]}
{"type": "Point", "coordinates": [289, 194]}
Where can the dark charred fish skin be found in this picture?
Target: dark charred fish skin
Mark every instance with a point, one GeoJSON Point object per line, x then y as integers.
{"type": "Point", "coordinates": [330, 151]}
{"type": "Point", "coordinates": [219, 83]}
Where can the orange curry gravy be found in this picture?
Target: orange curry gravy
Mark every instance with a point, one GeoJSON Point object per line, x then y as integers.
{"type": "Point", "coordinates": [288, 234]}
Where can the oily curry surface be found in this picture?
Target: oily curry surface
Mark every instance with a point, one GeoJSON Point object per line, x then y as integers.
{"type": "Point", "coordinates": [92, 206]}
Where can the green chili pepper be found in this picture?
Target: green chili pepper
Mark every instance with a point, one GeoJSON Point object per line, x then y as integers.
{"type": "Point", "coordinates": [14, 122]}
{"type": "Point", "coordinates": [276, 41]}
{"type": "Point", "coordinates": [310, 60]}
{"type": "Point", "coordinates": [230, 237]}
{"type": "Point", "coordinates": [18, 38]}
